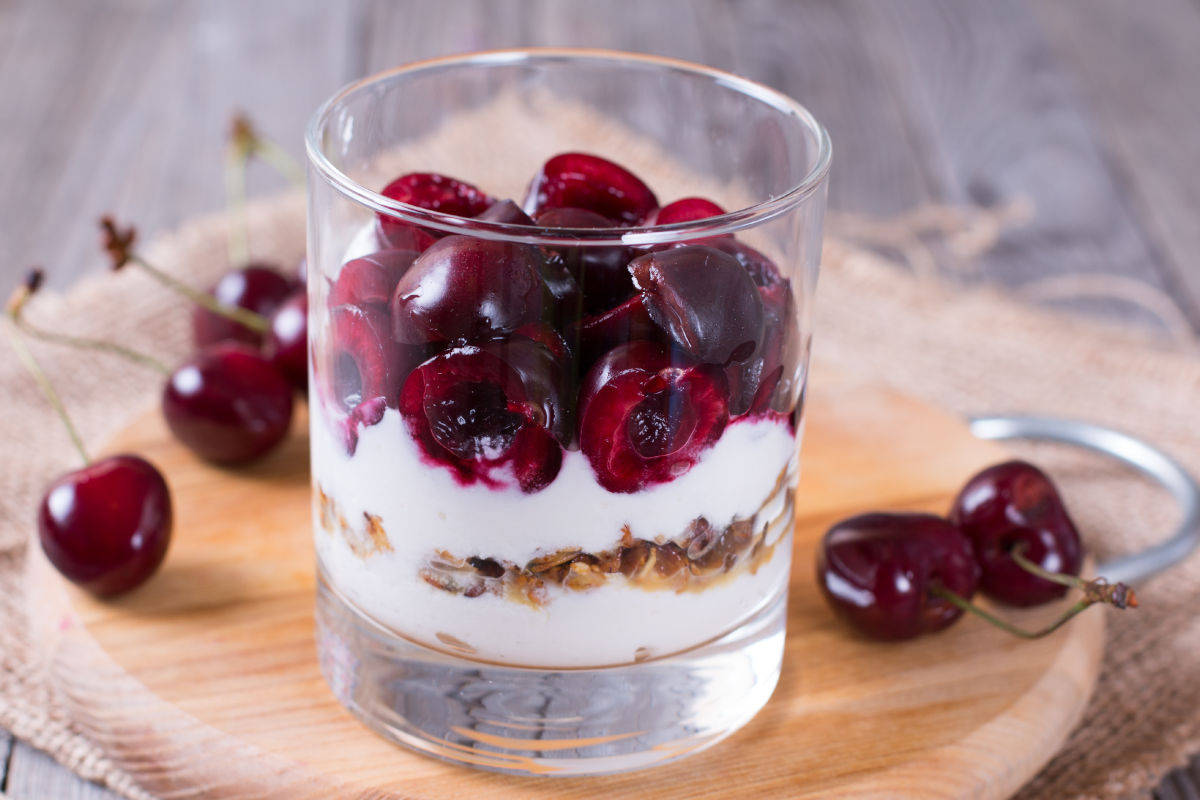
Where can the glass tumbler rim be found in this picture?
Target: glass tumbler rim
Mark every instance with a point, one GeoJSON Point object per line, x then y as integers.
{"type": "Point", "coordinates": [729, 222]}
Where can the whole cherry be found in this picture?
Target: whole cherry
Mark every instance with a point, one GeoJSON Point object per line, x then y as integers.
{"type": "Point", "coordinates": [1016, 505]}
{"type": "Point", "coordinates": [228, 404]}
{"type": "Point", "coordinates": [287, 341]}
{"type": "Point", "coordinates": [256, 287]}
{"type": "Point", "coordinates": [878, 571]}
{"type": "Point", "coordinates": [468, 289]}
{"type": "Point", "coordinates": [107, 525]}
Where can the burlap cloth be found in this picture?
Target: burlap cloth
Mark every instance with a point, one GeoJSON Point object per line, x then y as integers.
{"type": "Point", "coordinates": [970, 350]}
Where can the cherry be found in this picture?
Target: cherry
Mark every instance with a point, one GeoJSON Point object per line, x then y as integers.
{"type": "Point", "coordinates": [467, 289]}
{"type": "Point", "coordinates": [227, 404]}
{"type": "Point", "coordinates": [762, 270]}
{"type": "Point", "coordinates": [287, 341]}
{"type": "Point", "coordinates": [541, 365]}
{"type": "Point", "coordinates": [764, 381]}
{"type": "Point", "coordinates": [689, 209]}
{"type": "Point", "coordinates": [704, 299]}
{"type": "Point", "coordinates": [257, 287]}
{"type": "Point", "coordinates": [629, 321]}
{"type": "Point", "coordinates": [580, 180]}
{"type": "Point", "coordinates": [878, 571]}
{"type": "Point", "coordinates": [1016, 505]}
{"type": "Point", "coordinates": [599, 269]}
{"type": "Point", "coordinates": [371, 279]}
{"type": "Point", "coordinates": [645, 420]}
{"type": "Point", "coordinates": [106, 527]}
{"type": "Point", "coordinates": [507, 212]}
{"type": "Point", "coordinates": [364, 361]}
{"type": "Point", "coordinates": [433, 192]}
{"type": "Point", "coordinates": [471, 412]}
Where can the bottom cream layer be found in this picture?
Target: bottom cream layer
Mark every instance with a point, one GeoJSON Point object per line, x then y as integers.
{"type": "Point", "coordinates": [610, 624]}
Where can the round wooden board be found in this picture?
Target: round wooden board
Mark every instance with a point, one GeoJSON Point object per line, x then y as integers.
{"type": "Point", "coordinates": [224, 633]}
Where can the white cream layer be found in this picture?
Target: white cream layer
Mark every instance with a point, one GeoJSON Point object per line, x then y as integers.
{"type": "Point", "coordinates": [424, 509]}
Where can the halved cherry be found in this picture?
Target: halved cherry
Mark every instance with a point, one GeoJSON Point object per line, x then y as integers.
{"type": "Point", "coordinates": [468, 411]}
{"type": "Point", "coordinates": [543, 375]}
{"type": "Point", "coordinates": [689, 209]}
{"type": "Point", "coordinates": [371, 279]}
{"type": "Point", "coordinates": [598, 269]}
{"type": "Point", "coordinates": [644, 420]}
{"type": "Point", "coordinates": [581, 180]}
{"type": "Point", "coordinates": [433, 192]}
{"type": "Point", "coordinates": [467, 289]}
{"type": "Point", "coordinates": [704, 299]}
{"type": "Point", "coordinates": [364, 361]}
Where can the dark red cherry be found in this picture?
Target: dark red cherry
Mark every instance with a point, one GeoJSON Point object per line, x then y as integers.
{"type": "Point", "coordinates": [876, 570]}
{"type": "Point", "coordinates": [364, 361]}
{"type": "Point", "coordinates": [256, 287]}
{"type": "Point", "coordinates": [432, 192]}
{"type": "Point", "coordinates": [106, 527]}
{"type": "Point", "coordinates": [543, 376]}
{"type": "Point", "coordinates": [580, 180]}
{"type": "Point", "coordinates": [644, 420]}
{"type": "Point", "coordinates": [287, 341]}
{"type": "Point", "coordinates": [704, 299]}
{"type": "Point", "coordinates": [628, 322]}
{"type": "Point", "coordinates": [598, 269]}
{"type": "Point", "coordinates": [228, 404]}
{"type": "Point", "coordinates": [764, 381]}
{"type": "Point", "coordinates": [689, 209]}
{"type": "Point", "coordinates": [469, 411]}
{"type": "Point", "coordinates": [372, 279]}
{"type": "Point", "coordinates": [467, 289]}
{"type": "Point", "coordinates": [762, 270]}
{"type": "Point", "coordinates": [507, 212]}
{"type": "Point", "coordinates": [1016, 504]}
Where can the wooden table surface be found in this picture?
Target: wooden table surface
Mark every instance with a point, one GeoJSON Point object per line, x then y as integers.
{"type": "Point", "coordinates": [1088, 108]}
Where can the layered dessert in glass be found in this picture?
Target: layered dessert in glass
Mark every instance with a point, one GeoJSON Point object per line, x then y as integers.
{"type": "Point", "coordinates": [555, 416]}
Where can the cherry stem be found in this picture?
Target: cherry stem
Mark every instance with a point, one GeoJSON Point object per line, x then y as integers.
{"type": "Point", "coordinates": [235, 194]}
{"type": "Point", "coordinates": [253, 321]}
{"type": "Point", "coordinates": [967, 605]}
{"type": "Point", "coordinates": [39, 376]}
{"type": "Point", "coordinates": [16, 309]}
{"type": "Point", "coordinates": [1099, 590]}
{"type": "Point", "coordinates": [246, 142]}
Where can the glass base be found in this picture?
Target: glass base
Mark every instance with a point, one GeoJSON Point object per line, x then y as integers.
{"type": "Point", "coordinates": [549, 722]}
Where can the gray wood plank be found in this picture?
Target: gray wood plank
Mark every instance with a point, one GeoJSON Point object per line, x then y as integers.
{"type": "Point", "coordinates": [124, 107]}
{"type": "Point", "coordinates": [33, 775]}
{"type": "Point", "coordinates": [1002, 121]}
{"type": "Point", "coordinates": [825, 55]}
{"type": "Point", "coordinates": [1138, 71]}
{"type": "Point", "coordinates": [6, 744]}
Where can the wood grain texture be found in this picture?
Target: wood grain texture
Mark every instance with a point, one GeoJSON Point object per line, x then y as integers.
{"type": "Point", "coordinates": [224, 633]}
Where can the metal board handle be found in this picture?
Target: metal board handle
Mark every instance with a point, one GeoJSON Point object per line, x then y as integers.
{"type": "Point", "coordinates": [1148, 460]}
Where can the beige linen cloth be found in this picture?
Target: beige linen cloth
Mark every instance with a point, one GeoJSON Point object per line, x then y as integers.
{"type": "Point", "coordinates": [972, 351]}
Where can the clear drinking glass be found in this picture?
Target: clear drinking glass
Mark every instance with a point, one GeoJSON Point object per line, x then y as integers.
{"type": "Point", "coordinates": [553, 462]}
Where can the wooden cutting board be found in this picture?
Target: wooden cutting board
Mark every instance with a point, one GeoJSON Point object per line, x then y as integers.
{"type": "Point", "coordinates": [224, 634]}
